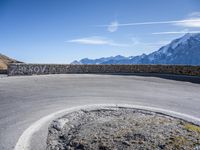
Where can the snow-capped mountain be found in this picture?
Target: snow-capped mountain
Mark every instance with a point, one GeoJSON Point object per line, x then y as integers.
{"type": "Point", "coordinates": [100, 60]}
{"type": "Point", "coordinates": [183, 51]}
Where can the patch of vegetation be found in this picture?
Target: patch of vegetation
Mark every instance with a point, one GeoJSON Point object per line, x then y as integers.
{"type": "Point", "coordinates": [192, 127]}
{"type": "Point", "coordinates": [177, 142]}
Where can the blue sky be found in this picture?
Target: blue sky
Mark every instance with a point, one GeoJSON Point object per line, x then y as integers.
{"type": "Point", "coordinates": [60, 31]}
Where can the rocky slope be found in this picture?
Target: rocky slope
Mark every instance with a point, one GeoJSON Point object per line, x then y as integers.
{"type": "Point", "coordinates": [4, 61]}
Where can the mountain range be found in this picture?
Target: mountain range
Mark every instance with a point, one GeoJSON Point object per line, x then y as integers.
{"type": "Point", "coordinates": [182, 51]}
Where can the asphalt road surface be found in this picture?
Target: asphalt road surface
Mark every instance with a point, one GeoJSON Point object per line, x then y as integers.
{"type": "Point", "coordinates": [26, 99]}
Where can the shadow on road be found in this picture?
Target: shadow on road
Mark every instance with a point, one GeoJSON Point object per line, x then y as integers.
{"type": "Point", "coordinates": [192, 79]}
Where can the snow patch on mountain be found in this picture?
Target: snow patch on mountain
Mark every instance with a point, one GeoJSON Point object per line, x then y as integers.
{"type": "Point", "coordinates": [184, 50]}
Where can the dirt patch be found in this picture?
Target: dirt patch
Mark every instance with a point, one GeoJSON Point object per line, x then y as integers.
{"type": "Point", "coordinates": [121, 128]}
{"type": "Point", "coordinates": [5, 61]}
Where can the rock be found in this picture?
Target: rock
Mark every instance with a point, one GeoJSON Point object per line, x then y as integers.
{"type": "Point", "coordinates": [120, 128]}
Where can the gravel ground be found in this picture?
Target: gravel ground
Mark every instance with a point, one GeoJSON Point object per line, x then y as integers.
{"type": "Point", "coordinates": [121, 129]}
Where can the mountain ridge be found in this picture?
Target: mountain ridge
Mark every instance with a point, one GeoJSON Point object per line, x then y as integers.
{"type": "Point", "coordinates": [181, 51]}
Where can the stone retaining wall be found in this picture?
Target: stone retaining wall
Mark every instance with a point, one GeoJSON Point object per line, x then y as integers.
{"type": "Point", "coordinates": [38, 69]}
{"type": "Point", "coordinates": [3, 71]}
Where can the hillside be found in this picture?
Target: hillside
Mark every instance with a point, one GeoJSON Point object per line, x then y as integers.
{"type": "Point", "coordinates": [4, 61]}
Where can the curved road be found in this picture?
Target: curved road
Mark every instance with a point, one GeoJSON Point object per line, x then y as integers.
{"type": "Point", "coordinates": [24, 100]}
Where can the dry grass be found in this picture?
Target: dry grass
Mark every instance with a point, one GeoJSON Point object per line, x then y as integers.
{"type": "Point", "coordinates": [3, 66]}
{"type": "Point", "coordinates": [5, 61]}
{"type": "Point", "coordinates": [192, 127]}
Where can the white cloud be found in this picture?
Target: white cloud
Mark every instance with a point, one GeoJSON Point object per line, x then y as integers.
{"type": "Point", "coordinates": [159, 43]}
{"type": "Point", "coordinates": [135, 41]}
{"type": "Point", "coordinates": [113, 26]}
{"type": "Point", "coordinates": [90, 40]}
{"type": "Point", "coordinates": [196, 14]}
{"type": "Point", "coordinates": [95, 40]}
{"type": "Point", "coordinates": [189, 22]}
{"type": "Point", "coordinates": [193, 20]}
{"type": "Point", "coordinates": [176, 32]}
